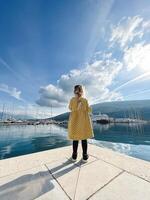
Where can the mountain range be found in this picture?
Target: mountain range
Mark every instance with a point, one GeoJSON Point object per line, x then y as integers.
{"type": "Point", "coordinates": [117, 109]}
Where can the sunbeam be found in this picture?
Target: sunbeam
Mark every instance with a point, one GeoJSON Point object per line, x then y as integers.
{"type": "Point", "coordinates": [147, 74]}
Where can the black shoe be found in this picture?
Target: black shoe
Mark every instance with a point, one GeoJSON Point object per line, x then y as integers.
{"type": "Point", "coordinates": [85, 157]}
{"type": "Point", "coordinates": [74, 156]}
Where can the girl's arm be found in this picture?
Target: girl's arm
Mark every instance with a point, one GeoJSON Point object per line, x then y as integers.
{"type": "Point", "coordinates": [89, 108]}
{"type": "Point", "coordinates": [74, 108]}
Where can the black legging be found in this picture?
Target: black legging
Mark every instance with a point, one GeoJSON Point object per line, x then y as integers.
{"type": "Point", "coordinates": [84, 146]}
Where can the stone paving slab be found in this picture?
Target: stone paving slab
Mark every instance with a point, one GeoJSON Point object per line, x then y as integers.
{"type": "Point", "coordinates": [124, 187]}
{"type": "Point", "coordinates": [52, 175]}
{"type": "Point", "coordinates": [94, 176]}
{"type": "Point", "coordinates": [66, 173]}
{"type": "Point", "coordinates": [24, 162]}
{"type": "Point", "coordinates": [71, 171]}
{"type": "Point", "coordinates": [133, 165]}
{"type": "Point", "coordinates": [30, 184]}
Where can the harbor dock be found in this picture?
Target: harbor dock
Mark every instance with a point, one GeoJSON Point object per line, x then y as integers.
{"type": "Point", "coordinates": [51, 175]}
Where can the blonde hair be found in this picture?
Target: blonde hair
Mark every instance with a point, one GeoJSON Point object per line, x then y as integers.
{"type": "Point", "coordinates": [79, 89]}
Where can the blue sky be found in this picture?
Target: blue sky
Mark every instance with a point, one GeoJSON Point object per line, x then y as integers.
{"type": "Point", "coordinates": [48, 46]}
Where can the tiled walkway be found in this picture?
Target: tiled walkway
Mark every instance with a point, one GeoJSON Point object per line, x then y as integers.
{"type": "Point", "coordinates": [50, 175]}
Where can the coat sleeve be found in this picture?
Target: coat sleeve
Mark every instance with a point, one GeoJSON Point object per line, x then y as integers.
{"type": "Point", "coordinates": [88, 108]}
{"type": "Point", "coordinates": [71, 105]}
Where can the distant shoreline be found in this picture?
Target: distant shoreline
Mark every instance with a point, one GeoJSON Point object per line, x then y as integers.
{"type": "Point", "coordinates": [103, 122]}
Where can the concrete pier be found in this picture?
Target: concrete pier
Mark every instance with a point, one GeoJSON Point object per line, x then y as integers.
{"type": "Point", "coordinates": [51, 175]}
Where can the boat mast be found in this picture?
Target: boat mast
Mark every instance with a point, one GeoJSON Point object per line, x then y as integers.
{"type": "Point", "coordinates": [2, 117]}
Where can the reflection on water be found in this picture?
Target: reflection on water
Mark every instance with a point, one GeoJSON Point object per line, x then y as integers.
{"type": "Point", "coordinates": [19, 140]}
{"type": "Point", "coordinates": [133, 140]}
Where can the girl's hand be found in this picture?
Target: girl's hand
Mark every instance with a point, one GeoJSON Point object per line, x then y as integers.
{"type": "Point", "coordinates": [79, 104]}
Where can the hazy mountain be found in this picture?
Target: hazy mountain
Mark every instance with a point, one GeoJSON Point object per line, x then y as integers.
{"type": "Point", "coordinates": [15, 116]}
{"type": "Point", "coordinates": [114, 109]}
{"type": "Point", "coordinates": [118, 109]}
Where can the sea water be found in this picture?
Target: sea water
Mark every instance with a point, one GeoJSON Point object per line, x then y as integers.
{"type": "Point", "coordinates": [130, 139]}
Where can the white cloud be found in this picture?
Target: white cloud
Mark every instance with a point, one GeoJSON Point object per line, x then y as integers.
{"type": "Point", "coordinates": [99, 75]}
{"type": "Point", "coordinates": [138, 57]}
{"type": "Point", "coordinates": [128, 29]}
{"type": "Point", "coordinates": [51, 95]}
{"type": "Point", "coordinates": [96, 78]}
{"type": "Point", "coordinates": [11, 91]}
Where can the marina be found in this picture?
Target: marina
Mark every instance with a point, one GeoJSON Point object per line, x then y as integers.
{"type": "Point", "coordinates": [102, 119]}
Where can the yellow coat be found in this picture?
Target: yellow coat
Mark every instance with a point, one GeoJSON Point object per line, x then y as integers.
{"type": "Point", "coordinates": [80, 125]}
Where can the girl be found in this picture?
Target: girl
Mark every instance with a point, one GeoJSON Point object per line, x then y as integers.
{"type": "Point", "coordinates": [79, 124]}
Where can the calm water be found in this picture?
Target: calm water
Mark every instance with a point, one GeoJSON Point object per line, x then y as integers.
{"type": "Point", "coordinates": [19, 140]}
